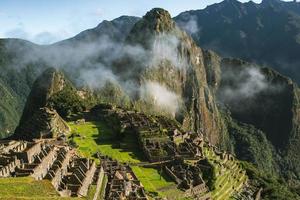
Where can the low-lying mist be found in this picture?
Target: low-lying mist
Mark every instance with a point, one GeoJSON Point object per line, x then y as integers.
{"type": "Point", "coordinates": [241, 87]}
{"type": "Point", "coordinates": [93, 63]}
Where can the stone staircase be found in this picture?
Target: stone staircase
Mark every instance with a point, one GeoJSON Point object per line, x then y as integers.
{"type": "Point", "coordinates": [60, 166]}
{"type": "Point", "coordinates": [40, 165]}
{"type": "Point", "coordinates": [70, 174]}
{"type": "Point", "coordinates": [78, 178]}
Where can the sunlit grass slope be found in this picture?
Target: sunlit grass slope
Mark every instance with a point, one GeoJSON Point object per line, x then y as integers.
{"type": "Point", "coordinates": [91, 137]}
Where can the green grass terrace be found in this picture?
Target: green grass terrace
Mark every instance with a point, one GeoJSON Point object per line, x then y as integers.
{"type": "Point", "coordinates": [29, 188]}
{"type": "Point", "coordinates": [91, 137]}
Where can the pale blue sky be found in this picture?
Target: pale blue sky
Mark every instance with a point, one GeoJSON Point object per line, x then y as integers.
{"type": "Point", "coordinates": [48, 21]}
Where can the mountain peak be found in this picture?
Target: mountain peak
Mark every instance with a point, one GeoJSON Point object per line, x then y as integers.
{"type": "Point", "coordinates": [49, 82]}
{"type": "Point", "coordinates": [159, 19]}
{"type": "Point", "coordinates": [37, 118]}
{"type": "Point", "coordinates": [158, 13]}
{"type": "Point", "coordinates": [154, 22]}
{"type": "Point", "coordinates": [271, 2]}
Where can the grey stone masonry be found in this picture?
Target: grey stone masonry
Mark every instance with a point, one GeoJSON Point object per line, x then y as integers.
{"type": "Point", "coordinates": [28, 154]}
{"type": "Point", "coordinates": [87, 180]}
{"type": "Point", "coordinates": [122, 182]}
{"type": "Point", "coordinates": [70, 174]}
{"type": "Point", "coordinates": [5, 146]}
{"type": "Point", "coordinates": [8, 165]}
{"type": "Point", "coordinates": [40, 165]}
{"type": "Point", "coordinates": [59, 167]}
{"type": "Point", "coordinates": [188, 178]}
{"type": "Point", "coordinates": [100, 181]}
{"type": "Point", "coordinates": [78, 178]}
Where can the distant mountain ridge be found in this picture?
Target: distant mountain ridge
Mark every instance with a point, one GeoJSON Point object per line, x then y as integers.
{"type": "Point", "coordinates": [22, 61]}
{"type": "Point", "coordinates": [237, 104]}
{"type": "Point", "coordinates": [267, 33]}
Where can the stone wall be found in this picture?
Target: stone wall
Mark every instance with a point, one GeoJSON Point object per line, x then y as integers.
{"type": "Point", "coordinates": [70, 174]}
{"type": "Point", "coordinates": [172, 175]}
{"type": "Point", "coordinates": [29, 153]}
{"type": "Point", "coordinates": [99, 184]}
{"type": "Point", "coordinates": [8, 145]}
{"type": "Point", "coordinates": [87, 180]}
{"type": "Point", "coordinates": [6, 170]}
{"type": "Point", "coordinates": [42, 169]}
{"type": "Point", "coordinates": [59, 167]}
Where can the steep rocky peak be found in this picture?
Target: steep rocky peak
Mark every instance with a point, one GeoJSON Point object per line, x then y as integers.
{"type": "Point", "coordinates": [51, 80]}
{"type": "Point", "coordinates": [271, 2]}
{"type": "Point", "coordinates": [228, 4]}
{"type": "Point", "coordinates": [48, 83]}
{"type": "Point", "coordinates": [232, 2]}
{"type": "Point", "coordinates": [38, 119]}
{"type": "Point", "coordinates": [159, 20]}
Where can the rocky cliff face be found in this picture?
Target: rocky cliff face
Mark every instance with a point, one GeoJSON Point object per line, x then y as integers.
{"type": "Point", "coordinates": [47, 84]}
{"type": "Point", "coordinates": [250, 31]}
{"type": "Point", "coordinates": [44, 123]}
{"type": "Point", "coordinates": [171, 72]}
{"type": "Point", "coordinates": [37, 120]}
{"type": "Point", "coordinates": [163, 70]}
{"type": "Point", "coordinates": [270, 102]}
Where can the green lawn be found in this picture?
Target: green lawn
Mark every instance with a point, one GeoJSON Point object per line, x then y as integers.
{"type": "Point", "coordinates": [96, 136]}
{"type": "Point", "coordinates": [31, 189]}
{"type": "Point", "coordinates": [26, 188]}
{"type": "Point", "coordinates": [154, 183]}
{"type": "Point", "coordinates": [151, 178]}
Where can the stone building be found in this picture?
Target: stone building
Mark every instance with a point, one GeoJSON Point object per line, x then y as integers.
{"type": "Point", "coordinates": [70, 174]}
{"type": "Point", "coordinates": [122, 182]}
{"type": "Point", "coordinates": [188, 178]}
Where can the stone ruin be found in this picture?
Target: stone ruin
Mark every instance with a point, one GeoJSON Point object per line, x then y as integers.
{"type": "Point", "coordinates": [44, 123]}
{"type": "Point", "coordinates": [70, 174]}
{"type": "Point", "coordinates": [157, 151]}
{"type": "Point", "coordinates": [122, 182]}
{"type": "Point", "coordinates": [188, 178]}
{"type": "Point", "coordinates": [165, 144]}
{"type": "Point", "coordinates": [160, 138]}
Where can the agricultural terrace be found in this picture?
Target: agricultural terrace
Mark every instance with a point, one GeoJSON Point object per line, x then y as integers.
{"type": "Point", "coordinates": [91, 137]}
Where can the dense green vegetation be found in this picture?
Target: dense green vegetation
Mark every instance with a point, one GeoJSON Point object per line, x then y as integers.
{"type": "Point", "coordinates": [251, 144]}
{"type": "Point", "coordinates": [9, 112]}
{"type": "Point", "coordinates": [273, 188]}
{"type": "Point", "coordinates": [67, 102]}
{"type": "Point", "coordinates": [227, 176]}
{"type": "Point", "coordinates": [112, 93]}
{"type": "Point", "coordinates": [239, 30]}
{"type": "Point", "coordinates": [209, 174]}
{"type": "Point", "coordinates": [16, 79]}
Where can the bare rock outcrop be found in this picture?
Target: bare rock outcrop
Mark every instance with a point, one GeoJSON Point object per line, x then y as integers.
{"type": "Point", "coordinates": [170, 61]}
{"type": "Point", "coordinates": [44, 123]}
{"type": "Point", "coordinates": [39, 120]}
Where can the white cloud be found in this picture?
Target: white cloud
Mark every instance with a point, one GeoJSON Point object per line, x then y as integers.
{"type": "Point", "coordinates": [251, 82]}
{"type": "Point", "coordinates": [97, 77]}
{"type": "Point", "coordinates": [44, 37]}
{"type": "Point", "coordinates": [17, 33]}
{"type": "Point", "coordinates": [99, 12]}
{"type": "Point", "coordinates": [160, 96]}
{"type": "Point", "coordinates": [190, 24]}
